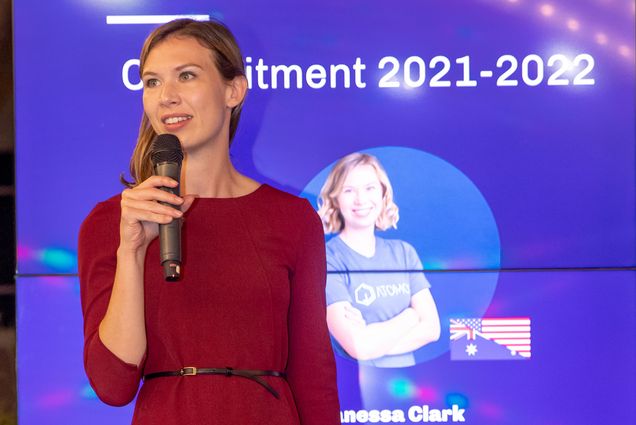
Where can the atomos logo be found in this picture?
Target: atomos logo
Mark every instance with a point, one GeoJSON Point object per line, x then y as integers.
{"type": "Point", "coordinates": [365, 294]}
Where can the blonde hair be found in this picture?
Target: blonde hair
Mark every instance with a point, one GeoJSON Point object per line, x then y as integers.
{"type": "Point", "coordinates": [212, 35]}
{"type": "Point", "coordinates": [328, 207]}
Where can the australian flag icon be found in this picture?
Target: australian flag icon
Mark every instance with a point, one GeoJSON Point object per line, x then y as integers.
{"type": "Point", "coordinates": [503, 338]}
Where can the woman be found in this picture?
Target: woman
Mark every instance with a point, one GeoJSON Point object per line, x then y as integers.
{"type": "Point", "coordinates": [384, 311]}
{"type": "Point", "coordinates": [242, 337]}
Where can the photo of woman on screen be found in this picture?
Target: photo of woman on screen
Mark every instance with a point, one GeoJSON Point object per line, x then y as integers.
{"type": "Point", "coordinates": [379, 306]}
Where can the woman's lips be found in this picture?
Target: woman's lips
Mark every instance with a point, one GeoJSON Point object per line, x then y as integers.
{"type": "Point", "coordinates": [362, 212]}
{"type": "Point", "coordinates": [176, 122]}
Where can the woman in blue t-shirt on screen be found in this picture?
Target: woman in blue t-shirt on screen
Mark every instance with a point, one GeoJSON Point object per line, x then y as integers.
{"type": "Point", "coordinates": [384, 311]}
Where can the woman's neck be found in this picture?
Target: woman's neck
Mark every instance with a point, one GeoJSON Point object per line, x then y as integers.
{"type": "Point", "coordinates": [211, 174]}
{"type": "Point", "coordinates": [361, 240]}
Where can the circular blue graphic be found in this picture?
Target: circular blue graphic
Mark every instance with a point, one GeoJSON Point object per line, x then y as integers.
{"type": "Point", "coordinates": [444, 216]}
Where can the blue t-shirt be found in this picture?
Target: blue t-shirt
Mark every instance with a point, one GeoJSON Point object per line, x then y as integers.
{"type": "Point", "coordinates": [381, 288]}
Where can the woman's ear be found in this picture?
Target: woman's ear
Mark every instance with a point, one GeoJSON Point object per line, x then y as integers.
{"type": "Point", "coordinates": [237, 88]}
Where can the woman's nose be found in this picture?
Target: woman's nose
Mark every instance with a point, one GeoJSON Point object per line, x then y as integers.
{"type": "Point", "coordinates": [169, 95]}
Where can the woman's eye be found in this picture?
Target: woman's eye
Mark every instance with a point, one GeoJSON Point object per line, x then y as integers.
{"type": "Point", "coordinates": [184, 76]}
{"type": "Point", "coordinates": [152, 82]}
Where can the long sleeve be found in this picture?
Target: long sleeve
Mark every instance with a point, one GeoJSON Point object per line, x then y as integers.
{"type": "Point", "coordinates": [311, 367]}
{"type": "Point", "coordinates": [115, 382]}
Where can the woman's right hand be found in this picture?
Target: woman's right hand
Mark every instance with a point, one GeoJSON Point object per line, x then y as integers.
{"type": "Point", "coordinates": [141, 212]}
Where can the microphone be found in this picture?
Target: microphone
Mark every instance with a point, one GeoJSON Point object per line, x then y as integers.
{"type": "Point", "coordinates": [166, 155]}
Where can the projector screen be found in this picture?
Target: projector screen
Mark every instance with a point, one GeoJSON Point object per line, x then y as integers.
{"type": "Point", "coordinates": [506, 130]}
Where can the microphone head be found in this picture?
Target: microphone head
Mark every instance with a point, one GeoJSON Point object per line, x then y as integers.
{"type": "Point", "coordinates": [166, 148]}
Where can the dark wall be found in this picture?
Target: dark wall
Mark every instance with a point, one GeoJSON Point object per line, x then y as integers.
{"type": "Point", "coordinates": [8, 403]}
{"type": "Point", "coordinates": [7, 204]}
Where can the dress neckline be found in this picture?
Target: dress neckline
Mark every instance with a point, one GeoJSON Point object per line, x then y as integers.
{"type": "Point", "coordinates": [233, 198]}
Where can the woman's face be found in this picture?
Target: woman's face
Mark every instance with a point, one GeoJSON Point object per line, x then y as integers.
{"type": "Point", "coordinates": [360, 199]}
{"type": "Point", "coordinates": [185, 95]}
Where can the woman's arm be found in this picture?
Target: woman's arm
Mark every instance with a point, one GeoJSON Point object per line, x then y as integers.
{"type": "Point", "coordinates": [366, 342]}
{"type": "Point", "coordinates": [311, 369]}
{"type": "Point", "coordinates": [114, 380]}
{"type": "Point", "coordinates": [427, 329]}
{"type": "Point", "coordinates": [123, 329]}
{"type": "Point", "coordinates": [111, 278]}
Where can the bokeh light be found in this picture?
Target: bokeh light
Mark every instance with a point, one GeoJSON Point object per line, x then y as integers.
{"type": "Point", "coordinates": [547, 10]}
{"type": "Point", "coordinates": [457, 399]}
{"type": "Point", "coordinates": [402, 388]}
{"type": "Point", "coordinates": [624, 50]}
{"type": "Point", "coordinates": [491, 410]}
{"type": "Point", "coordinates": [427, 394]}
{"type": "Point", "coordinates": [59, 259]}
{"type": "Point", "coordinates": [88, 393]}
{"type": "Point", "coordinates": [601, 38]}
{"type": "Point", "coordinates": [57, 398]}
{"type": "Point", "coordinates": [573, 24]}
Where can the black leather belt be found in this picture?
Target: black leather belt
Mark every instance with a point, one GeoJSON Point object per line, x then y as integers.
{"type": "Point", "coordinates": [254, 375]}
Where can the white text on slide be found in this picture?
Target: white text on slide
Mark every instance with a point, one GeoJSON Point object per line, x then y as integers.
{"type": "Point", "coordinates": [415, 414]}
{"type": "Point", "coordinates": [413, 72]}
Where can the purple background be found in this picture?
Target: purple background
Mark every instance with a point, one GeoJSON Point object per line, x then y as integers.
{"type": "Point", "coordinates": [555, 165]}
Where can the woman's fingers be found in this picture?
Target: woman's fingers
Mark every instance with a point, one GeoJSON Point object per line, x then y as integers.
{"type": "Point", "coordinates": [150, 206]}
{"type": "Point", "coordinates": [149, 190]}
{"type": "Point", "coordinates": [135, 216]}
{"type": "Point", "coordinates": [145, 206]}
{"type": "Point", "coordinates": [157, 181]}
{"type": "Point", "coordinates": [187, 202]}
{"type": "Point", "coordinates": [151, 194]}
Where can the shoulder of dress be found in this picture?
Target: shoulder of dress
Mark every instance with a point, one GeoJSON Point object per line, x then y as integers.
{"type": "Point", "coordinates": [113, 201]}
{"type": "Point", "coordinates": [104, 211]}
{"type": "Point", "coordinates": [278, 195]}
{"type": "Point", "coordinates": [295, 206]}
{"type": "Point", "coordinates": [100, 228]}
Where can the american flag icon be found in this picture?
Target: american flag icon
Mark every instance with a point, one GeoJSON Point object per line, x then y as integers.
{"type": "Point", "coordinates": [484, 338]}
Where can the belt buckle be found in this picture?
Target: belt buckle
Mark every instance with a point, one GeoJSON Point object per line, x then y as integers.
{"type": "Point", "coordinates": [188, 371]}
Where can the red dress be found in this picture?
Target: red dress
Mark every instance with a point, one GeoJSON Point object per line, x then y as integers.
{"type": "Point", "coordinates": [252, 296]}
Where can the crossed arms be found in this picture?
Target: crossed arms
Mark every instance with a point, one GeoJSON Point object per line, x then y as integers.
{"type": "Point", "coordinates": [414, 327]}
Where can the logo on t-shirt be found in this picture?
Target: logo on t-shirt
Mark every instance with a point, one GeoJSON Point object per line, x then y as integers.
{"type": "Point", "coordinates": [366, 294]}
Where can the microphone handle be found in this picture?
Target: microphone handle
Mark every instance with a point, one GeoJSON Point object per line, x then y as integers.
{"type": "Point", "coordinates": [170, 234]}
